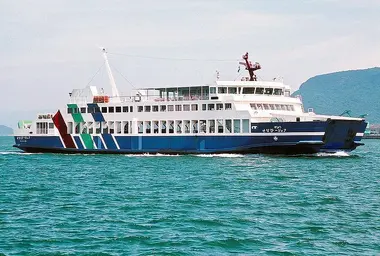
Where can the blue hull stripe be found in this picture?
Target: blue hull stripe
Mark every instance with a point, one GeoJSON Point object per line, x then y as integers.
{"type": "Point", "coordinates": [108, 140]}
{"type": "Point", "coordinates": [98, 142]}
{"type": "Point", "coordinates": [78, 142]}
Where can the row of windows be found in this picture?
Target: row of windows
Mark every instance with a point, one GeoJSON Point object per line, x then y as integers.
{"type": "Point", "coordinates": [246, 90]}
{"type": "Point", "coordinates": [259, 106]}
{"type": "Point", "coordinates": [154, 108]}
{"type": "Point", "coordinates": [161, 127]}
{"type": "Point", "coordinates": [44, 127]}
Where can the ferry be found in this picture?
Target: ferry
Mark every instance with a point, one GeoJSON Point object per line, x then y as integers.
{"type": "Point", "coordinates": [244, 116]}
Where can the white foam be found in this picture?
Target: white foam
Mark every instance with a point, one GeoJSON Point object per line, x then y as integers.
{"type": "Point", "coordinates": [150, 155]}
{"type": "Point", "coordinates": [16, 153]}
{"type": "Point", "coordinates": [335, 154]}
{"type": "Point", "coordinates": [220, 155]}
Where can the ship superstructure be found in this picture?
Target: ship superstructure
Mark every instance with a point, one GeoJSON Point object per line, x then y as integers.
{"type": "Point", "coordinates": [246, 116]}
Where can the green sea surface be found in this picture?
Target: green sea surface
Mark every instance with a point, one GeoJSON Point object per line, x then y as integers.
{"type": "Point", "coordinates": [323, 204]}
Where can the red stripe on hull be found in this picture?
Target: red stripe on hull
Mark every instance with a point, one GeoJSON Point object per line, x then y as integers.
{"type": "Point", "coordinates": [62, 128]}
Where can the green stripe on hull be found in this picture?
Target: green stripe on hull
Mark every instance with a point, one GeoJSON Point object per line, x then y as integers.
{"type": "Point", "coordinates": [87, 140]}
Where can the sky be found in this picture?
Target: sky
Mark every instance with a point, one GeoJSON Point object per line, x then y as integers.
{"type": "Point", "coordinates": [50, 47]}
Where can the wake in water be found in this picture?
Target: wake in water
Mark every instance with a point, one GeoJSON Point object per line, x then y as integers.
{"type": "Point", "coordinates": [16, 153]}
{"type": "Point", "coordinates": [221, 155]}
{"type": "Point", "coordinates": [336, 154]}
{"type": "Point", "coordinates": [150, 155]}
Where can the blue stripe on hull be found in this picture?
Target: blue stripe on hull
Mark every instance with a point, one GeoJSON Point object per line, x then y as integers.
{"type": "Point", "coordinates": [78, 142]}
{"type": "Point", "coordinates": [108, 140]}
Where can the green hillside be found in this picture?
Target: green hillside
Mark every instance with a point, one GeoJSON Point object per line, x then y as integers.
{"type": "Point", "coordinates": [355, 90]}
{"type": "Point", "coordinates": [4, 130]}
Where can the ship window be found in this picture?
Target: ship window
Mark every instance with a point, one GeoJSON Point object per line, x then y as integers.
{"type": "Point", "coordinates": [204, 107]}
{"type": "Point", "coordinates": [266, 107]}
{"type": "Point", "coordinates": [163, 126]}
{"type": "Point", "coordinates": [278, 107]}
{"type": "Point", "coordinates": [170, 108]}
{"type": "Point", "coordinates": [126, 127]}
{"type": "Point", "coordinates": [259, 90]}
{"type": "Point", "coordinates": [83, 110]}
{"type": "Point", "coordinates": [76, 110]}
{"type": "Point", "coordinates": [236, 125]}
{"type": "Point", "coordinates": [90, 110]}
{"type": "Point", "coordinates": [84, 128]}
{"type": "Point", "coordinates": [178, 125]}
{"type": "Point", "coordinates": [140, 108]}
{"type": "Point", "coordinates": [211, 126]}
{"type": "Point", "coordinates": [259, 106]}
{"type": "Point", "coordinates": [202, 126]}
{"type": "Point", "coordinates": [268, 91]}
{"type": "Point", "coordinates": [156, 126]}
{"type": "Point", "coordinates": [147, 127]}
{"type": "Point", "coordinates": [118, 109]}
{"type": "Point", "coordinates": [219, 106]}
{"type": "Point", "coordinates": [232, 90]}
{"type": "Point", "coordinates": [212, 90]}
{"type": "Point", "coordinates": [186, 126]}
{"type": "Point", "coordinates": [125, 109]}
{"type": "Point", "coordinates": [140, 127]}
{"type": "Point", "coordinates": [131, 109]}
{"type": "Point", "coordinates": [228, 106]}
{"type": "Point", "coordinates": [271, 106]}
{"type": "Point", "coordinates": [77, 128]}
{"type": "Point", "coordinates": [51, 126]}
{"type": "Point", "coordinates": [222, 90]}
{"type": "Point", "coordinates": [245, 125]}
{"type": "Point", "coordinates": [253, 106]}
{"type": "Point", "coordinates": [292, 107]}
{"type": "Point", "coordinates": [228, 126]}
{"type": "Point", "coordinates": [194, 126]}
{"type": "Point", "coordinates": [147, 108]}
{"type": "Point", "coordinates": [118, 127]}
{"type": "Point", "coordinates": [287, 93]}
{"type": "Point", "coordinates": [90, 127]}
{"type": "Point", "coordinates": [97, 110]}
{"type": "Point", "coordinates": [111, 127]}
{"type": "Point", "coordinates": [248, 90]}
{"type": "Point", "coordinates": [277, 92]}
{"type": "Point", "coordinates": [104, 127]}
{"type": "Point", "coordinates": [97, 127]}
{"type": "Point", "coordinates": [155, 108]}
{"type": "Point", "coordinates": [186, 107]}
{"type": "Point", "coordinates": [163, 108]}
{"type": "Point", "coordinates": [194, 107]}
{"type": "Point", "coordinates": [111, 109]}
{"type": "Point", "coordinates": [104, 109]}
{"type": "Point", "coordinates": [211, 106]}
{"type": "Point", "coordinates": [69, 110]}
{"type": "Point", "coordinates": [283, 107]}
{"type": "Point", "coordinates": [178, 107]}
{"type": "Point", "coordinates": [171, 126]}
{"type": "Point", "coordinates": [220, 125]}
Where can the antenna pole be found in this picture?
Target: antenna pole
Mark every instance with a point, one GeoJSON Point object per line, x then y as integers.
{"type": "Point", "coordinates": [115, 92]}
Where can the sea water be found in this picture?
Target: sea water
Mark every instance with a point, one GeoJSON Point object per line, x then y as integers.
{"type": "Point", "coordinates": [322, 204]}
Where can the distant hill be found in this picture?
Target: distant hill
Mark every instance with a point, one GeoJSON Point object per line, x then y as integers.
{"type": "Point", "coordinates": [4, 130]}
{"type": "Point", "coordinates": [355, 90]}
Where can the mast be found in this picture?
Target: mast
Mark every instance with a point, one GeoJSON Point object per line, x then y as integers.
{"type": "Point", "coordinates": [115, 92]}
{"type": "Point", "coordinates": [250, 67]}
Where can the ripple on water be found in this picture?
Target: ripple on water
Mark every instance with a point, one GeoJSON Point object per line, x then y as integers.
{"type": "Point", "coordinates": [324, 204]}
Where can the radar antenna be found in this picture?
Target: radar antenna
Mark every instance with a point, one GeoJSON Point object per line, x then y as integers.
{"type": "Point", "coordinates": [250, 67]}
